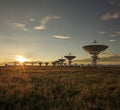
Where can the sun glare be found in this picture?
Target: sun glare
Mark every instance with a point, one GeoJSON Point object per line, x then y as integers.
{"type": "Point", "coordinates": [21, 59]}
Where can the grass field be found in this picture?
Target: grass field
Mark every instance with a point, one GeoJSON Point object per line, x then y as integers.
{"type": "Point", "coordinates": [59, 88]}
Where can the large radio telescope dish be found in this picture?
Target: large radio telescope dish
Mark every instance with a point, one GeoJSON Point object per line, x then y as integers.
{"type": "Point", "coordinates": [94, 50]}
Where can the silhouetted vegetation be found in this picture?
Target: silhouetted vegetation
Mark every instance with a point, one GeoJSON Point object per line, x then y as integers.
{"type": "Point", "coordinates": [77, 88]}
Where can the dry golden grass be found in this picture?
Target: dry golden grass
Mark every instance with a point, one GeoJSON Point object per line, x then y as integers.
{"type": "Point", "coordinates": [57, 88]}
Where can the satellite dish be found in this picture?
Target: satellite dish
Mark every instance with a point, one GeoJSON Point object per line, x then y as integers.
{"type": "Point", "coordinates": [40, 63]}
{"type": "Point", "coordinates": [95, 49]}
{"type": "Point", "coordinates": [55, 63]}
{"type": "Point", "coordinates": [46, 63]}
{"type": "Point", "coordinates": [70, 57]}
{"type": "Point", "coordinates": [61, 61]}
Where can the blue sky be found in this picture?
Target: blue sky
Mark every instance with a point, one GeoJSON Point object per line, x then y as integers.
{"type": "Point", "coordinates": [46, 30]}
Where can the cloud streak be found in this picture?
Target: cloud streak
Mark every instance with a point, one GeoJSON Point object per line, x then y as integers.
{"type": "Point", "coordinates": [101, 32]}
{"type": "Point", "coordinates": [44, 21]}
{"type": "Point", "coordinates": [32, 19]}
{"type": "Point", "coordinates": [113, 40]}
{"type": "Point", "coordinates": [116, 34]}
{"type": "Point", "coordinates": [110, 57]}
{"type": "Point", "coordinates": [111, 15]}
{"type": "Point", "coordinates": [40, 27]}
{"type": "Point", "coordinates": [115, 3]}
{"type": "Point", "coordinates": [42, 24]}
{"type": "Point", "coordinates": [61, 37]}
{"type": "Point", "coordinates": [21, 26]}
{"type": "Point", "coordinates": [103, 57]}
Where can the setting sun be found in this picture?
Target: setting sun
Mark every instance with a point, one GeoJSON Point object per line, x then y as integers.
{"type": "Point", "coordinates": [21, 59]}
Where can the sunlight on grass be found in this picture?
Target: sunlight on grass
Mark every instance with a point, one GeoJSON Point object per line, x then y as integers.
{"type": "Point", "coordinates": [86, 89]}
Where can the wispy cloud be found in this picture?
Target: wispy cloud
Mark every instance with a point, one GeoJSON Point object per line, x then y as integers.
{"type": "Point", "coordinates": [118, 33]}
{"type": "Point", "coordinates": [113, 40]}
{"type": "Point", "coordinates": [44, 21]}
{"type": "Point", "coordinates": [101, 32]}
{"type": "Point", "coordinates": [115, 3]}
{"type": "Point", "coordinates": [113, 35]}
{"type": "Point", "coordinates": [103, 57]}
{"type": "Point", "coordinates": [114, 14]}
{"type": "Point", "coordinates": [61, 37]}
{"type": "Point", "coordinates": [48, 18]}
{"type": "Point", "coordinates": [40, 27]}
{"type": "Point", "coordinates": [32, 19]}
{"type": "Point", "coordinates": [21, 26]}
{"type": "Point", "coordinates": [25, 29]}
{"type": "Point", "coordinates": [110, 56]}
{"type": "Point", "coordinates": [111, 15]}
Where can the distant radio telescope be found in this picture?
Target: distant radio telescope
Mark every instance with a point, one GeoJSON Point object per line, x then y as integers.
{"type": "Point", "coordinates": [70, 57]}
{"type": "Point", "coordinates": [61, 61]}
{"type": "Point", "coordinates": [55, 63]}
{"type": "Point", "coordinates": [40, 63]}
{"type": "Point", "coordinates": [95, 49]}
{"type": "Point", "coordinates": [46, 63]}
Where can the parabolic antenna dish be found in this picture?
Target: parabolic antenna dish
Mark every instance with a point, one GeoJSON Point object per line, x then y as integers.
{"type": "Point", "coordinates": [61, 59]}
{"type": "Point", "coordinates": [70, 56]}
{"type": "Point", "coordinates": [95, 48]}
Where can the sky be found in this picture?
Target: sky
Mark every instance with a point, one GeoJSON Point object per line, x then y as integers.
{"type": "Point", "coordinates": [45, 30]}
